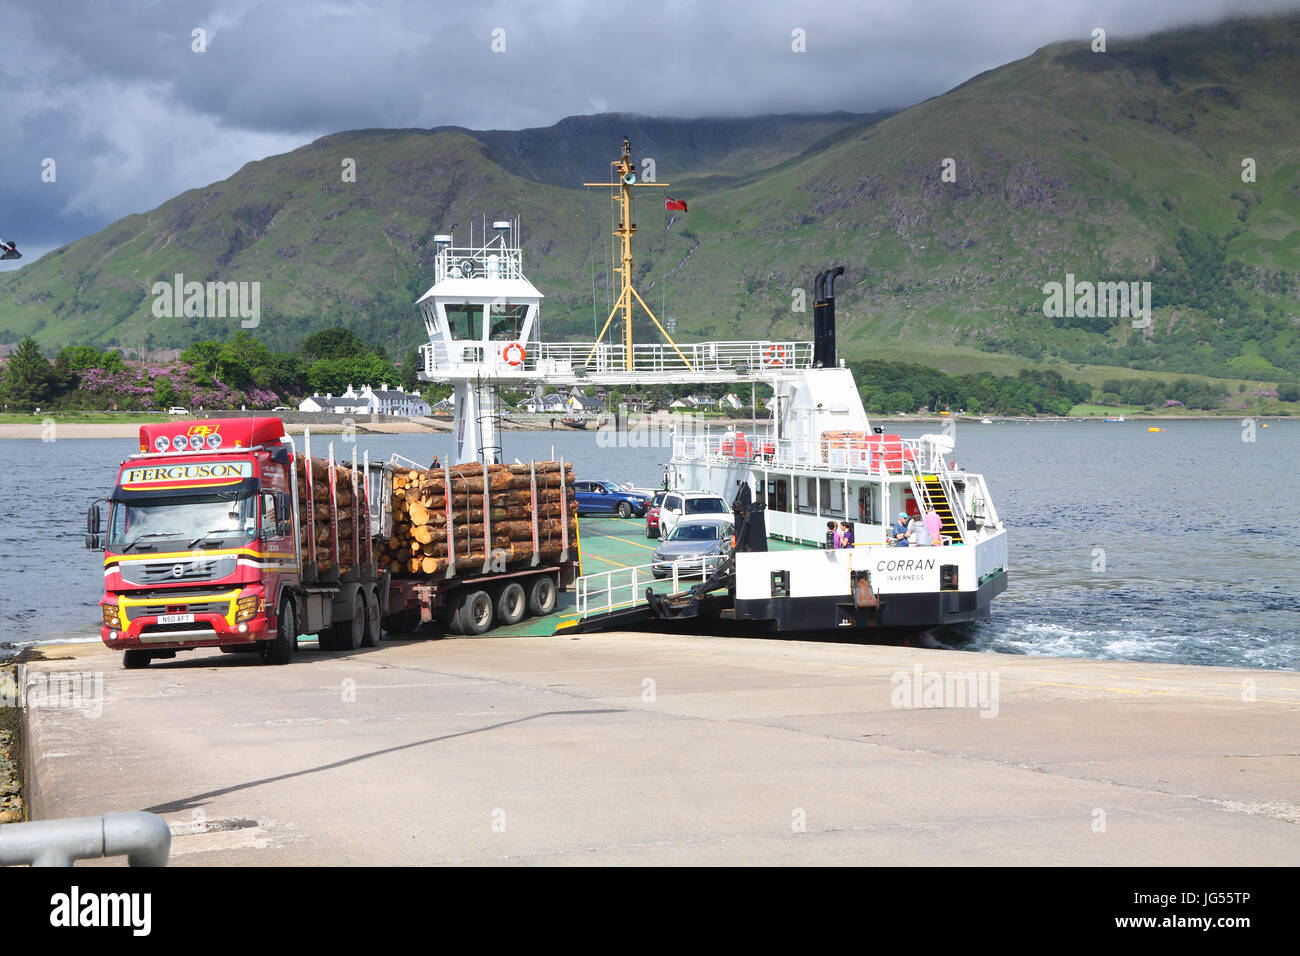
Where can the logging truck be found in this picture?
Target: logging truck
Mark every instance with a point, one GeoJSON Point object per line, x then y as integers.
{"type": "Point", "coordinates": [220, 534]}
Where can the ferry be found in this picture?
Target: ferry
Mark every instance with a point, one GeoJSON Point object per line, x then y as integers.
{"type": "Point", "coordinates": [819, 460]}
{"type": "Point", "coordinates": [822, 460]}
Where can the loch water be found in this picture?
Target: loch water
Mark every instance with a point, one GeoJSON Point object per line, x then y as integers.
{"type": "Point", "coordinates": [1180, 546]}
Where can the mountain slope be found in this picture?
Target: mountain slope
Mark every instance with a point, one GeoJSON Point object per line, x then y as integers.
{"type": "Point", "coordinates": [1124, 165]}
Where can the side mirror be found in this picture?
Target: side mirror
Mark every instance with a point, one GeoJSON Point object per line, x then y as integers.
{"type": "Point", "coordinates": [94, 537]}
{"type": "Point", "coordinates": [280, 455]}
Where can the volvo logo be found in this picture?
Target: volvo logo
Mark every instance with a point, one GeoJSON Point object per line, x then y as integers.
{"type": "Point", "coordinates": [178, 570]}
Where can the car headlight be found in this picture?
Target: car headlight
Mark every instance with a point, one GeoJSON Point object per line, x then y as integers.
{"type": "Point", "coordinates": [111, 620]}
{"type": "Point", "coordinates": [246, 607]}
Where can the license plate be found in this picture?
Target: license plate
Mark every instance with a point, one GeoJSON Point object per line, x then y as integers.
{"type": "Point", "coordinates": [175, 618]}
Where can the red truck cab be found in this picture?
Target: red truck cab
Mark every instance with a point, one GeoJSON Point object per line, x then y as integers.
{"type": "Point", "coordinates": [200, 538]}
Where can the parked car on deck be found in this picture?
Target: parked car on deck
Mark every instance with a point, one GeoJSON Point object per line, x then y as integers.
{"type": "Point", "coordinates": [690, 504]}
{"type": "Point", "coordinates": [696, 544]}
{"type": "Point", "coordinates": [652, 514]}
{"type": "Point", "coordinates": [608, 497]}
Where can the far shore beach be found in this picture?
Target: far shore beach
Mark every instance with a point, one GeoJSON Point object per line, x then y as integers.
{"type": "Point", "coordinates": [429, 426]}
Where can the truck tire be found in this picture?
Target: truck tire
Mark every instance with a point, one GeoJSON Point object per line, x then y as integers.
{"type": "Point", "coordinates": [279, 649]}
{"type": "Point", "coordinates": [134, 660]}
{"type": "Point", "coordinates": [349, 634]}
{"type": "Point", "coordinates": [475, 613]}
{"type": "Point", "coordinates": [624, 509]}
{"type": "Point", "coordinates": [542, 595]}
{"type": "Point", "coordinates": [373, 631]}
{"type": "Point", "coordinates": [512, 604]}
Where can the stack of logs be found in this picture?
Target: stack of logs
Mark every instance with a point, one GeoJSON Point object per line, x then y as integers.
{"type": "Point", "coordinates": [418, 545]}
{"type": "Point", "coordinates": [317, 522]}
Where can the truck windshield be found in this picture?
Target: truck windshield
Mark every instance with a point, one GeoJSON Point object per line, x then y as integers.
{"type": "Point", "coordinates": [171, 523]}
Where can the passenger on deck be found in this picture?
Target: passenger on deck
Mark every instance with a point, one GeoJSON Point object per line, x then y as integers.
{"type": "Point", "coordinates": [435, 463]}
{"type": "Point", "coordinates": [934, 524]}
{"type": "Point", "coordinates": [832, 536]}
{"type": "Point", "coordinates": [920, 534]}
{"type": "Point", "coordinates": [898, 530]}
{"type": "Point", "coordinates": [846, 535]}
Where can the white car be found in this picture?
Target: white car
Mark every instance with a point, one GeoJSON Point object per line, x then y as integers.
{"type": "Point", "coordinates": [177, 410]}
{"type": "Point", "coordinates": [690, 504]}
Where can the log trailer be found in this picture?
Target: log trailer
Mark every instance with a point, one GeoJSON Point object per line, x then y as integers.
{"type": "Point", "coordinates": [220, 534]}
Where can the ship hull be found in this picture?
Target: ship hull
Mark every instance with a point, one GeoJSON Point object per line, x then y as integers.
{"type": "Point", "coordinates": [895, 613]}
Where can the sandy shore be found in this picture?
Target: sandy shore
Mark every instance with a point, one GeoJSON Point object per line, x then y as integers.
{"type": "Point", "coordinates": [132, 429]}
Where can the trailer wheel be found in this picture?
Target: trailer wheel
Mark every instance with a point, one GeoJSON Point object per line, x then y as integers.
{"type": "Point", "coordinates": [512, 604]}
{"type": "Point", "coordinates": [373, 630]}
{"type": "Point", "coordinates": [349, 634]}
{"type": "Point", "coordinates": [542, 595]}
{"type": "Point", "coordinates": [475, 614]}
{"type": "Point", "coordinates": [279, 649]}
{"type": "Point", "coordinates": [134, 660]}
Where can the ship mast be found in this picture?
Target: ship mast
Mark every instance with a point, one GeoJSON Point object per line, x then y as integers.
{"type": "Point", "coordinates": [625, 180]}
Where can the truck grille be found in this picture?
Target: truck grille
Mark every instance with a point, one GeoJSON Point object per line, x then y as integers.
{"type": "Point", "coordinates": [178, 606]}
{"type": "Point", "coordinates": [191, 569]}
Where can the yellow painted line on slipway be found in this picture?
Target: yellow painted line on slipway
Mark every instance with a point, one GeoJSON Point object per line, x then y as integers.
{"type": "Point", "coordinates": [614, 537]}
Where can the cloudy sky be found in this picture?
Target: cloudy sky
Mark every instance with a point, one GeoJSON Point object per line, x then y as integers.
{"type": "Point", "coordinates": [115, 93]}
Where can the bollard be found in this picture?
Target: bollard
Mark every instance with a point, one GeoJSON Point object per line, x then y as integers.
{"type": "Point", "coordinates": [144, 838]}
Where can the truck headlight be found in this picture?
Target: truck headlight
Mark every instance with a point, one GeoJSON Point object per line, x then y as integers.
{"type": "Point", "coordinates": [246, 607]}
{"type": "Point", "coordinates": [111, 620]}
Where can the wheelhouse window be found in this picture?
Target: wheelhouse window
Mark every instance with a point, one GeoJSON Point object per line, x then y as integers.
{"type": "Point", "coordinates": [506, 321]}
{"type": "Point", "coordinates": [465, 321]}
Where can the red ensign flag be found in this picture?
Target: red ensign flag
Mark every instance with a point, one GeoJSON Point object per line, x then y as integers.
{"type": "Point", "coordinates": [671, 203]}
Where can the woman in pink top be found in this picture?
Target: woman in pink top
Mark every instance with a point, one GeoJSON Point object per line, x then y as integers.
{"type": "Point", "coordinates": [934, 524]}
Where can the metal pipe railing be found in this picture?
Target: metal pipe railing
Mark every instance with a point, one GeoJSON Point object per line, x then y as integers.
{"type": "Point", "coordinates": [144, 838]}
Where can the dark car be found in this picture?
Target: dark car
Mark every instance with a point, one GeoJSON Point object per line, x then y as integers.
{"type": "Point", "coordinates": [652, 514]}
{"type": "Point", "coordinates": [608, 498]}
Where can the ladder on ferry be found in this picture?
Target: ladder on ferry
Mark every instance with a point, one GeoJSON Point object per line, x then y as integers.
{"type": "Point", "coordinates": [936, 498]}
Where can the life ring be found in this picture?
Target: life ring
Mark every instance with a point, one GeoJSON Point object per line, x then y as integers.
{"type": "Point", "coordinates": [511, 348]}
{"type": "Point", "coordinates": [775, 355]}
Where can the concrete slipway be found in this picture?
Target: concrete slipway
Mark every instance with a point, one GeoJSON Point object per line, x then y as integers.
{"type": "Point", "coordinates": [635, 748]}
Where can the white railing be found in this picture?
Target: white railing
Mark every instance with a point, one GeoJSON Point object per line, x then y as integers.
{"type": "Point", "coordinates": [577, 359]}
{"type": "Point", "coordinates": [735, 357]}
{"type": "Point", "coordinates": [894, 457]}
{"type": "Point", "coordinates": [624, 588]}
{"type": "Point", "coordinates": [493, 261]}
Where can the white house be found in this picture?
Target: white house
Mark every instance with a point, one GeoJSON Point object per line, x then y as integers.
{"type": "Point", "coordinates": [368, 401]}
{"type": "Point", "coordinates": [731, 401]}
{"type": "Point", "coordinates": [330, 404]}
{"type": "Point", "coordinates": [544, 403]}
{"type": "Point", "coordinates": [583, 405]}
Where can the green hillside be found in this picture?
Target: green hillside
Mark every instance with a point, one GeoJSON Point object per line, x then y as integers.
{"type": "Point", "coordinates": [1121, 166]}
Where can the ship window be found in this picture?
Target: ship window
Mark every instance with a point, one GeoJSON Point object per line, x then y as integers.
{"type": "Point", "coordinates": [465, 321]}
{"type": "Point", "coordinates": [507, 321]}
{"type": "Point", "coordinates": [832, 497]}
{"type": "Point", "coordinates": [866, 505]}
{"type": "Point", "coordinates": [807, 488]}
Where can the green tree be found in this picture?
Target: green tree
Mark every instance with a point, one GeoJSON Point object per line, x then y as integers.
{"type": "Point", "coordinates": [29, 377]}
{"type": "Point", "coordinates": [337, 343]}
{"type": "Point", "coordinates": [411, 371]}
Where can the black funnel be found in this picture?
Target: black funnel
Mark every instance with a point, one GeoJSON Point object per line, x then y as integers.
{"type": "Point", "coordinates": [824, 318]}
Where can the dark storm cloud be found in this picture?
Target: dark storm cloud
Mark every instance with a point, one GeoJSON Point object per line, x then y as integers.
{"type": "Point", "coordinates": [114, 92]}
